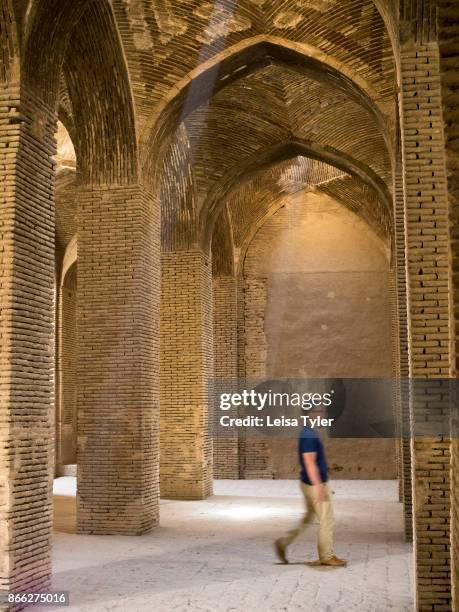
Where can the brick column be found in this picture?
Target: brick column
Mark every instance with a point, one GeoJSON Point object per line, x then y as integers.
{"type": "Point", "coordinates": [26, 340]}
{"type": "Point", "coordinates": [66, 372]}
{"type": "Point", "coordinates": [186, 367]}
{"type": "Point", "coordinates": [403, 355]}
{"type": "Point", "coordinates": [257, 451]}
{"type": "Point", "coordinates": [449, 57]}
{"type": "Point", "coordinates": [118, 370]}
{"type": "Point", "coordinates": [455, 508]}
{"type": "Point", "coordinates": [240, 305]}
{"type": "Point", "coordinates": [426, 222]}
{"type": "Point", "coordinates": [226, 453]}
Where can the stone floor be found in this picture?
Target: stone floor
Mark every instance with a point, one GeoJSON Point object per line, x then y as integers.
{"type": "Point", "coordinates": [216, 555]}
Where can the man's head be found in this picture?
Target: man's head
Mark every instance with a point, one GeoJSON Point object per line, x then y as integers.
{"type": "Point", "coordinates": [317, 411]}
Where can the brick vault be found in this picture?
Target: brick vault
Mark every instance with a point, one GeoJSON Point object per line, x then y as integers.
{"type": "Point", "coordinates": [151, 155]}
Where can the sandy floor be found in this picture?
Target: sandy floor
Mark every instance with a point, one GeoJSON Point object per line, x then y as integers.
{"type": "Point", "coordinates": [216, 555]}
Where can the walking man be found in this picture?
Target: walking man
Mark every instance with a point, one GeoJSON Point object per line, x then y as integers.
{"type": "Point", "coordinates": [317, 497]}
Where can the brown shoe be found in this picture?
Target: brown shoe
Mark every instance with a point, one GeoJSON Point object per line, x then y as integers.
{"type": "Point", "coordinates": [281, 550]}
{"type": "Point", "coordinates": [334, 562]}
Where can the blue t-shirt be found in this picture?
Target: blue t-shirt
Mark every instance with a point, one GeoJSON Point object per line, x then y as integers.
{"type": "Point", "coordinates": [310, 442]}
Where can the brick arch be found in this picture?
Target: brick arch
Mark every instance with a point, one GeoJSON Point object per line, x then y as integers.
{"type": "Point", "coordinates": [48, 26]}
{"type": "Point", "coordinates": [180, 227]}
{"type": "Point", "coordinates": [103, 114]}
{"type": "Point", "coordinates": [10, 49]}
{"type": "Point", "coordinates": [265, 192]}
{"type": "Point", "coordinates": [276, 205]}
{"type": "Point", "coordinates": [64, 108]}
{"type": "Point", "coordinates": [97, 81]}
{"type": "Point", "coordinates": [255, 200]}
{"type": "Point", "coordinates": [285, 151]}
{"type": "Point", "coordinates": [223, 263]}
{"type": "Point", "coordinates": [236, 62]}
{"type": "Point", "coordinates": [278, 202]}
{"type": "Point", "coordinates": [70, 257]}
{"type": "Point", "coordinates": [164, 43]}
{"type": "Point", "coordinates": [65, 209]}
{"type": "Point", "coordinates": [388, 11]}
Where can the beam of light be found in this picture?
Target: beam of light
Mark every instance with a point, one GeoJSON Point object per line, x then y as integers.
{"type": "Point", "coordinates": [247, 512]}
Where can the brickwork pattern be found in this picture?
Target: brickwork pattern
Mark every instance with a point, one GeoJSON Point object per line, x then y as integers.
{"type": "Point", "coordinates": [26, 339]}
{"type": "Point", "coordinates": [254, 201]}
{"type": "Point", "coordinates": [449, 58]}
{"type": "Point", "coordinates": [222, 246]}
{"type": "Point", "coordinates": [187, 365]}
{"type": "Point", "coordinates": [351, 130]}
{"type": "Point", "coordinates": [403, 370]}
{"type": "Point", "coordinates": [202, 164]}
{"type": "Point", "coordinates": [426, 222]}
{"type": "Point", "coordinates": [118, 370]}
{"type": "Point", "coordinates": [66, 207]}
{"type": "Point", "coordinates": [278, 282]}
{"type": "Point", "coordinates": [65, 325]}
{"type": "Point", "coordinates": [352, 31]}
{"type": "Point", "coordinates": [257, 455]}
{"type": "Point", "coordinates": [322, 73]}
{"type": "Point", "coordinates": [82, 48]}
{"type": "Point", "coordinates": [225, 448]}
{"type": "Point", "coordinates": [240, 305]}
{"type": "Point", "coordinates": [66, 371]}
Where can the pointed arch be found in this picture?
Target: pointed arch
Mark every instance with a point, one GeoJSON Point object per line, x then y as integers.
{"type": "Point", "coordinates": [9, 44]}
{"type": "Point", "coordinates": [241, 59]}
{"type": "Point", "coordinates": [97, 80]}
{"type": "Point", "coordinates": [223, 263]}
{"type": "Point", "coordinates": [282, 152]}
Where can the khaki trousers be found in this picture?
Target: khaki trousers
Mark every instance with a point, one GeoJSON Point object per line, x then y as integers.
{"type": "Point", "coordinates": [324, 512]}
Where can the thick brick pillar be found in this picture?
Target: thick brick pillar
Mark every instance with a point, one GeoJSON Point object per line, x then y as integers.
{"type": "Point", "coordinates": [455, 508]}
{"type": "Point", "coordinates": [226, 452]}
{"type": "Point", "coordinates": [449, 58]}
{"type": "Point", "coordinates": [186, 368]}
{"type": "Point", "coordinates": [26, 340]}
{"type": "Point", "coordinates": [403, 355]}
{"type": "Point", "coordinates": [118, 369]}
{"type": "Point", "coordinates": [428, 274]}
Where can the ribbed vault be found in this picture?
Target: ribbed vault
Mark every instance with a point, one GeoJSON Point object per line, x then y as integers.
{"type": "Point", "coordinates": [223, 255]}
{"type": "Point", "coordinates": [268, 116]}
{"type": "Point", "coordinates": [81, 72]}
{"type": "Point", "coordinates": [249, 206]}
{"type": "Point", "coordinates": [166, 41]}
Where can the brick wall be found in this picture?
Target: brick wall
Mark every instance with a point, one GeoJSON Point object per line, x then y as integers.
{"type": "Point", "coordinates": [308, 272]}
{"type": "Point", "coordinates": [257, 452]}
{"type": "Point", "coordinates": [225, 448]}
{"type": "Point", "coordinates": [401, 334]}
{"type": "Point", "coordinates": [240, 305]}
{"type": "Point", "coordinates": [449, 58]}
{"type": "Point", "coordinates": [66, 387]}
{"type": "Point", "coordinates": [186, 368]}
{"type": "Point", "coordinates": [26, 339]}
{"type": "Point", "coordinates": [455, 509]}
{"type": "Point", "coordinates": [118, 371]}
{"type": "Point", "coordinates": [427, 260]}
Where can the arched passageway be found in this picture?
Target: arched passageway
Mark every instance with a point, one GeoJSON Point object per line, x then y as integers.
{"type": "Point", "coordinates": [125, 278]}
{"type": "Point", "coordinates": [317, 304]}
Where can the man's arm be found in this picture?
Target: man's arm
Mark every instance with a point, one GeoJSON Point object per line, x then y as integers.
{"type": "Point", "coordinates": [312, 469]}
